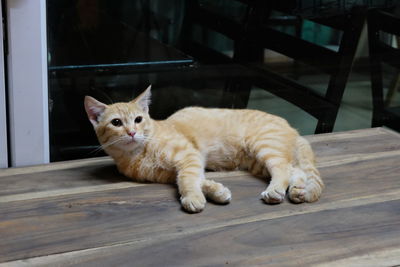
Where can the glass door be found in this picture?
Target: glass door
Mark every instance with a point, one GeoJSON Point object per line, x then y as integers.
{"type": "Point", "coordinates": [194, 53]}
{"type": "Point", "coordinates": [110, 50]}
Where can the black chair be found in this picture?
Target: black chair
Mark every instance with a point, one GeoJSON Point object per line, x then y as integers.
{"type": "Point", "coordinates": [253, 34]}
{"type": "Point", "coordinates": [380, 24]}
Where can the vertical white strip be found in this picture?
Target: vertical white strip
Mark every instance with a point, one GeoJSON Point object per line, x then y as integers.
{"type": "Point", "coordinates": [27, 73]}
{"type": "Point", "coordinates": [3, 120]}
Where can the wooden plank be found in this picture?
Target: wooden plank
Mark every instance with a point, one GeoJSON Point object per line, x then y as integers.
{"type": "Point", "coordinates": [389, 131]}
{"type": "Point", "coordinates": [55, 166]}
{"type": "Point", "coordinates": [345, 145]}
{"type": "Point", "coordinates": [38, 227]}
{"type": "Point", "coordinates": [294, 240]}
{"type": "Point", "coordinates": [68, 191]}
{"type": "Point", "coordinates": [97, 174]}
{"type": "Point", "coordinates": [337, 160]}
{"type": "Point", "coordinates": [387, 257]}
{"type": "Point", "coordinates": [324, 236]}
{"type": "Point", "coordinates": [361, 133]}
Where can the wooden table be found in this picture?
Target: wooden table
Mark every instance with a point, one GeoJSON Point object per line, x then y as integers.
{"type": "Point", "coordinates": [84, 213]}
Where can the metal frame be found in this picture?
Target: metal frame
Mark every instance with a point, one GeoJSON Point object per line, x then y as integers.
{"type": "Point", "coordinates": [27, 86]}
{"type": "Point", "coordinates": [3, 118]}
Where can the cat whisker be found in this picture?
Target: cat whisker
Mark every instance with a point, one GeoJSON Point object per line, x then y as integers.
{"type": "Point", "coordinates": [146, 138]}
{"type": "Point", "coordinates": [113, 142]}
{"type": "Point", "coordinates": [102, 147]}
{"type": "Point", "coordinates": [97, 149]}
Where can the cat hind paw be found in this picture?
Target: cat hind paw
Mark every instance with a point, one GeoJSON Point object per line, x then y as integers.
{"type": "Point", "coordinates": [297, 194]}
{"type": "Point", "coordinates": [216, 192]}
{"type": "Point", "coordinates": [308, 192]}
{"type": "Point", "coordinates": [221, 196]}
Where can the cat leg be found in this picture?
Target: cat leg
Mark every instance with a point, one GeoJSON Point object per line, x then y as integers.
{"type": "Point", "coordinates": [306, 184]}
{"type": "Point", "coordinates": [305, 188]}
{"type": "Point", "coordinates": [272, 153]}
{"type": "Point", "coordinates": [216, 192]}
{"type": "Point", "coordinates": [190, 180]}
{"type": "Point", "coordinates": [297, 186]}
{"type": "Point", "coordinates": [279, 169]}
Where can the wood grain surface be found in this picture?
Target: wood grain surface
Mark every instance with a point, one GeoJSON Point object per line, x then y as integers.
{"type": "Point", "coordinates": [85, 213]}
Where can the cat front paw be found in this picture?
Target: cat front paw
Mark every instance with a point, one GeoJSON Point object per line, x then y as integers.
{"type": "Point", "coordinates": [193, 203]}
{"type": "Point", "coordinates": [273, 195]}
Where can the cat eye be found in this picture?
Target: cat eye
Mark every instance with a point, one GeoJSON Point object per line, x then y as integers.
{"type": "Point", "coordinates": [138, 119]}
{"type": "Point", "coordinates": [116, 122]}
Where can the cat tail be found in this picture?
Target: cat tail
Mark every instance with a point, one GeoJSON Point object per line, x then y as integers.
{"type": "Point", "coordinates": [306, 173]}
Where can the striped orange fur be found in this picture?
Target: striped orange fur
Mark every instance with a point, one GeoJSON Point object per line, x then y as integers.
{"type": "Point", "coordinates": [193, 139]}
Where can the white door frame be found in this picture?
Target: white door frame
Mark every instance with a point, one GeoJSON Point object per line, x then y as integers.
{"type": "Point", "coordinates": [27, 82]}
{"type": "Point", "coordinates": [3, 118]}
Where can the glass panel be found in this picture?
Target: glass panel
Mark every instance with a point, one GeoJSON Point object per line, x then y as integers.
{"type": "Point", "coordinates": [283, 59]}
{"type": "Point", "coordinates": [109, 51]}
{"type": "Point", "coordinates": [102, 34]}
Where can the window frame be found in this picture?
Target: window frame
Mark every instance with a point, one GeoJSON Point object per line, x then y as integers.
{"type": "Point", "coordinates": [27, 87]}
{"type": "Point", "coordinates": [3, 116]}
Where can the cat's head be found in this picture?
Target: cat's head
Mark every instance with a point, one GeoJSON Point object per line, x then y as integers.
{"type": "Point", "coordinates": [121, 125]}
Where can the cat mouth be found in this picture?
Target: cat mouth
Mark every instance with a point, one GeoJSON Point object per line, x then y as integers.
{"type": "Point", "coordinates": [132, 141]}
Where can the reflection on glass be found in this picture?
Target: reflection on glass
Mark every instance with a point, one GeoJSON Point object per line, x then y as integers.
{"type": "Point", "coordinates": [222, 53]}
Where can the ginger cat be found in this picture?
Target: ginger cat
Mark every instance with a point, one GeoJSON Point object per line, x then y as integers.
{"type": "Point", "coordinates": [179, 148]}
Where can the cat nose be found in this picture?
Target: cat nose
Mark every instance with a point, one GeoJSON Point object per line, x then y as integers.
{"type": "Point", "coordinates": [131, 134]}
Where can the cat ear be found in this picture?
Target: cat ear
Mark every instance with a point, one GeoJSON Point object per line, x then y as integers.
{"type": "Point", "coordinates": [94, 109]}
{"type": "Point", "coordinates": [144, 99]}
